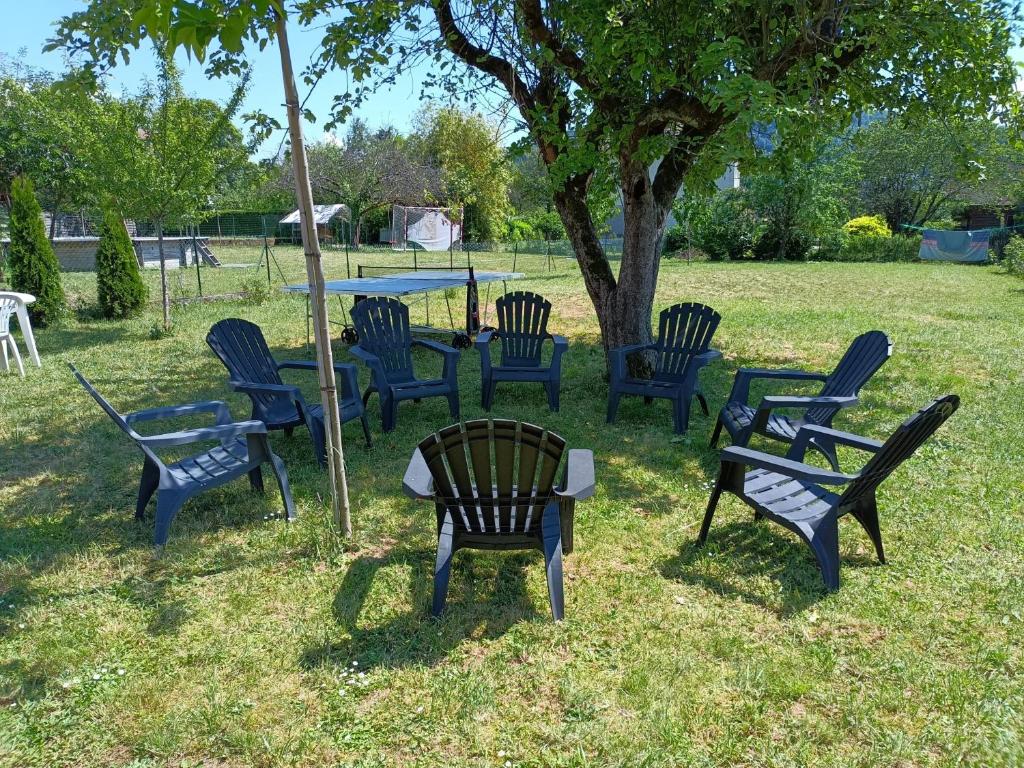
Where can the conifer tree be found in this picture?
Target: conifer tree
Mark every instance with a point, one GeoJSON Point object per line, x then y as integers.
{"type": "Point", "coordinates": [31, 260]}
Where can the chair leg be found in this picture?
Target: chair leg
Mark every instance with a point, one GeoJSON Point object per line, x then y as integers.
{"type": "Point", "coordinates": [167, 505]}
{"type": "Point", "coordinates": [3, 356]}
{"type": "Point", "coordinates": [288, 431]}
{"type": "Point", "coordinates": [443, 566]}
{"type": "Point", "coordinates": [256, 480]}
{"type": "Point", "coordinates": [277, 464]}
{"type": "Point", "coordinates": [828, 450]}
{"type": "Point", "coordinates": [703, 402]}
{"type": "Point", "coordinates": [388, 413]}
{"type": "Point", "coordinates": [366, 430]}
{"type": "Point", "coordinates": [17, 356]}
{"type": "Point", "coordinates": [488, 396]}
{"type": "Point", "coordinates": [681, 415]}
{"type": "Point", "coordinates": [717, 433]}
{"type": "Point", "coordinates": [613, 406]}
{"type": "Point", "coordinates": [318, 435]}
{"type": "Point", "coordinates": [551, 531]}
{"type": "Point", "coordinates": [867, 516]}
{"type": "Point", "coordinates": [147, 487]}
{"type": "Point", "coordinates": [824, 541]}
{"type": "Point", "coordinates": [453, 404]}
{"type": "Point", "coordinates": [709, 513]}
{"type": "Point", "coordinates": [552, 388]}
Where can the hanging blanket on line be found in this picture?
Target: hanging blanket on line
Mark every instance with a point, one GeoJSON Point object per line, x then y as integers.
{"type": "Point", "coordinates": [947, 245]}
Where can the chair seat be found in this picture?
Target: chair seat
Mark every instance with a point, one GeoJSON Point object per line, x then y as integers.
{"type": "Point", "coordinates": [282, 413]}
{"type": "Point", "coordinates": [797, 501]}
{"type": "Point", "coordinates": [418, 388]}
{"type": "Point", "coordinates": [216, 464]}
{"type": "Point", "coordinates": [738, 417]}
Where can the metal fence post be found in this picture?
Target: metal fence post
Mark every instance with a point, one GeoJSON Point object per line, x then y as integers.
{"type": "Point", "coordinates": [195, 256]}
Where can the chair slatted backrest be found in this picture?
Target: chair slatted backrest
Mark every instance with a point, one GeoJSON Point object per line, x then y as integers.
{"type": "Point", "coordinates": [900, 446]}
{"type": "Point", "coordinates": [494, 476]}
{"type": "Point", "coordinates": [240, 345]}
{"type": "Point", "coordinates": [8, 306]}
{"type": "Point", "coordinates": [383, 327]}
{"type": "Point", "coordinates": [684, 330]}
{"type": "Point", "coordinates": [113, 413]}
{"type": "Point", "coordinates": [522, 327]}
{"type": "Point", "coordinates": [866, 354]}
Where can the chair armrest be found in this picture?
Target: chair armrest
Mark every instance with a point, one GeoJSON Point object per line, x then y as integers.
{"type": "Point", "coordinates": [217, 407]}
{"type": "Point", "coordinates": [436, 346]}
{"type": "Point", "coordinates": [789, 401]}
{"type": "Point", "coordinates": [617, 359]}
{"type": "Point", "coordinates": [706, 357]}
{"type": "Point", "coordinates": [578, 479]}
{"type": "Point", "coordinates": [744, 376]}
{"type": "Point", "coordinates": [484, 338]}
{"type": "Point", "coordinates": [254, 387]}
{"type": "Point", "coordinates": [829, 436]}
{"type": "Point", "coordinates": [784, 466]}
{"type": "Point", "coordinates": [310, 365]}
{"type": "Point", "coordinates": [368, 358]}
{"type": "Point", "coordinates": [349, 373]}
{"type": "Point", "coordinates": [559, 341]}
{"type": "Point", "coordinates": [220, 432]}
{"type": "Point", "coordinates": [417, 483]}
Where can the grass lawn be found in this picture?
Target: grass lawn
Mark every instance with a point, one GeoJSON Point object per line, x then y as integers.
{"type": "Point", "coordinates": [252, 642]}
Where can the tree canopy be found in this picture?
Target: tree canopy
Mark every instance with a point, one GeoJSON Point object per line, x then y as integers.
{"type": "Point", "coordinates": [608, 90]}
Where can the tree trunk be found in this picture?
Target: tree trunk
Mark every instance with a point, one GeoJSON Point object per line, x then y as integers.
{"type": "Point", "coordinates": [318, 298]}
{"type": "Point", "coordinates": [624, 303]}
{"type": "Point", "coordinates": [164, 295]}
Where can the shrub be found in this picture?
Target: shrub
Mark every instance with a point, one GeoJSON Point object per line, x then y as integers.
{"type": "Point", "coordinates": [780, 242]}
{"type": "Point", "coordinates": [119, 286]}
{"type": "Point", "coordinates": [31, 262]}
{"type": "Point", "coordinates": [256, 289]}
{"type": "Point", "coordinates": [518, 229]}
{"type": "Point", "coordinates": [867, 226]}
{"type": "Point", "coordinates": [872, 248]}
{"type": "Point", "coordinates": [1013, 256]}
{"type": "Point", "coordinates": [727, 228]}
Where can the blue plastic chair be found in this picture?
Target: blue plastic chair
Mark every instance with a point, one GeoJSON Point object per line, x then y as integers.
{"type": "Point", "coordinates": [252, 370]}
{"type": "Point", "coordinates": [680, 351]}
{"type": "Point", "coordinates": [798, 496]}
{"type": "Point", "coordinates": [510, 501]}
{"type": "Point", "coordinates": [385, 346]}
{"type": "Point", "coordinates": [242, 450]}
{"type": "Point", "coordinates": [522, 330]}
{"type": "Point", "coordinates": [866, 355]}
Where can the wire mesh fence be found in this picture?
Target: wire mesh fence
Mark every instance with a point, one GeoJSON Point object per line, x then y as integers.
{"type": "Point", "coordinates": [237, 253]}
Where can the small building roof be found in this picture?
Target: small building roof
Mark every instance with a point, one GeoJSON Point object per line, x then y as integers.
{"type": "Point", "coordinates": [324, 214]}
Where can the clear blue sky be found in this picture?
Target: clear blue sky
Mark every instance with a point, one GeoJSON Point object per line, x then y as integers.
{"type": "Point", "coordinates": [27, 25]}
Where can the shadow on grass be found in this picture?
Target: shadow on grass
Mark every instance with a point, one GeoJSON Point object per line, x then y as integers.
{"type": "Point", "coordinates": [748, 553]}
{"type": "Point", "coordinates": [486, 598]}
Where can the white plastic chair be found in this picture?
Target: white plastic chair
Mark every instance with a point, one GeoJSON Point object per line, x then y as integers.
{"type": "Point", "coordinates": [8, 307]}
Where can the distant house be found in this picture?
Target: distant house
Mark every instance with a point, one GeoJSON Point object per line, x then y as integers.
{"type": "Point", "coordinates": [729, 180]}
{"type": "Point", "coordinates": [328, 219]}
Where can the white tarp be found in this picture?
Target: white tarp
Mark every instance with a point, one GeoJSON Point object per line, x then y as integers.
{"type": "Point", "coordinates": [323, 214]}
{"type": "Point", "coordinates": [433, 231]}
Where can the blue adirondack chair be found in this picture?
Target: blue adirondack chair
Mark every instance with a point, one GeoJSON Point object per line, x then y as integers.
{"type": "Point", "coordinates": [522, 329]}
{"type": "Point", "coordinates": [240, 345]}
{"type": "Point", "coordinates": [680, 351]}
{"type": "Point", "coordinates": [242, 450]}
{"type": "Point", "coordinates": [385, 346]}
{"type": "Point", "coordinates": [797, 496]}
{"type": "Point", "coordinates": [866, 354]}
{"type": "Point", "coordinates": [510, 502]}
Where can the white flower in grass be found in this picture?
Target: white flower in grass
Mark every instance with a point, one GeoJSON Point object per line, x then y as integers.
{"type": "Point", "coordinates": [355, 663]}
{"type": "Point", "coordinates": [508, 764]}
{"type": "Point", "coordinates": [419, 710]}
{"type": "Point", "coordinates": [501, 753]}
{"type": "Point", "coordinates": [341, 691]}
{"type": "Point", "coordinates": [21, 626]}
{"type": "Point", "coordinates": [120, 671]}
{"type": "Point", "coordinates": [95, 676]}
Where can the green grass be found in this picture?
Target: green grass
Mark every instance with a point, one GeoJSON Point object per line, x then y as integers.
{"type": "Point", "coordinates": [235, 644]}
